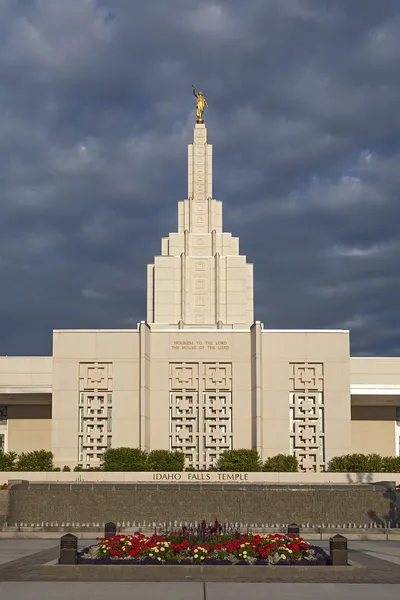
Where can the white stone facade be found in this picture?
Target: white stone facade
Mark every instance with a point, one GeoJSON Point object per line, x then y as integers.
{"type": "Point", "coordinates": [200, 375]}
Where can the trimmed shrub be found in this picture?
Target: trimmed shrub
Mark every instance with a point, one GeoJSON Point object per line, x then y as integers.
{"type": "Point", "coordinates": [391, 464]}
{"type": "Point", "coordinates": [7, 461]}
{"type": "Point", "coordinates": [240, 460]}
{"type": "Point", "coordinates": [66, 469]}
{"type": "Point", "coordinates": [281, 463]}
{"type": "Point", "coordinates": [125, 459]}
{"type": "Point", "coordinates": [37, 460]}
{"type": "Point", "coordinates": [165, 460]}
{"type": "Point", "coordinates": [357, 463]}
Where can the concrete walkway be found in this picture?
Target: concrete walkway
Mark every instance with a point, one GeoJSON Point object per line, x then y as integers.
{"type": "Point", "coordinates": [13, 549]}
{"type": "Point", "coordinates": [380, 578]}
{"type": "Point", "coordinates": [389, 551]}
{"type": "Point", "coordinates": [197, 591]}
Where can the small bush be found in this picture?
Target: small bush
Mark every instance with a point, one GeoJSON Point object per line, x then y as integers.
{"type": "Point", "coordinates": [364, 463]}
{"type": "Point", "coordinates": [164, 460]}
{"type": "Point", "coordinates": [38, 460]}
{"type": "Point", "coordinates": [281, 463]}
{"type": "Point", "coordinates": [7, 461]}
{"type": "Point", "coordinates": [4, 487]}
{"type": "Point", "coordinates": [391, 464]}
{"type": "Point", "coordinates": [77, 469]}
{"type": "Point", "coordinates": [240, 460]}
{"type": "Point", "coordinates": [66, 469]}
{"type": "Point", "coordinates": [125, 459]}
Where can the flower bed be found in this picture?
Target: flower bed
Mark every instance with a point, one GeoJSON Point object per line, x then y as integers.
{"type": "Point", "coordinates": [214, 547]}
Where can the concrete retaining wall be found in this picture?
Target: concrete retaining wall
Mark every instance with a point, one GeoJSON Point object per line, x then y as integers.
{"type": "Point", "coordinates": [201, 477]}
{"type": "Point", "coordinates": [3, 506]}
{"type": "Point", "coordinates": [99, 503]}
{"type": "Point", "coordinates": [3, 501]}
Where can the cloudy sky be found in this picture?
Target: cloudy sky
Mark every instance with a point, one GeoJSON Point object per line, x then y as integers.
{"type": "Point", "coordinates": [96, 113]}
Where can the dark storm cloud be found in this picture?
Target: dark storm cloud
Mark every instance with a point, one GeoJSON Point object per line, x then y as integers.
{"type": "Point", "coordinates": [95, 116]}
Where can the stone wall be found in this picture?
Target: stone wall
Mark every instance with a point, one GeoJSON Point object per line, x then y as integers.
{"type": "Point", "coordinates": [256, 478]}
{"type": "Point", "coordinates": [34, 504]}
{"type": "Point", "coordinates": [3, 506]}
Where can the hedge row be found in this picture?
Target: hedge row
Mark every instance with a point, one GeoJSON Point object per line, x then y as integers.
{"type": "Point", "coordinates": [135, 459]}
{"type": "Point", "coordinates": [364, 463]}
{"type": "Point", "coordinates": [117, 459]}
{"type": "Point", "coordinates": [38, 460]}
{"type": "Point", "coordinates": [250, 460]}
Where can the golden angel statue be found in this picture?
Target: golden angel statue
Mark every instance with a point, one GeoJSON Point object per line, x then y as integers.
{"type": "Point", "coordinates": [201, 104]}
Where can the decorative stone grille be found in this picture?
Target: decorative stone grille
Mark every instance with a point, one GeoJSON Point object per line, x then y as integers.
{"type": "Point", "coordinates": [95, 413]}
{"type": "Point", "coordinates": [306, 406]}
{"type": "Point", "coordinates": [201, 411]}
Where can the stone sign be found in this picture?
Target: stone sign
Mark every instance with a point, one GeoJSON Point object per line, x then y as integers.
{"type": "Point", "coordinates": [199, 477]}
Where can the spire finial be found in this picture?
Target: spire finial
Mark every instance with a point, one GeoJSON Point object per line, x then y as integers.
{"type": "Point", "coordinates": [201, 104]}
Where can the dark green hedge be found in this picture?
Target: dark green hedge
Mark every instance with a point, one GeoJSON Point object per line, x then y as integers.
{"type": "Point", "coordinates": [125, 459]}
{"type": "Point", "coordinates": [164, 460]}
{"type": "Point", "coordinates": [134, 459]}
{"type": "Point", "coordinates": [364, 463]}
{"type": "Point", "coordinates": [250, 460]}
{"type": "Point", "coordinates": [8, 460]}
{"type": "Point", "coordinates": [281, 463]}
{"type": "Point", "coordinates": [37, 460]}
{"type": "Point", "coordinates": [240, 460]}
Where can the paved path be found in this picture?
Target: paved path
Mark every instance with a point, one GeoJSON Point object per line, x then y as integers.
{"type": "Point", "coordinates": [389, 551]}
{"type": "Point", "coordinates": [20, 561]}
{"type": "Point", "coordinates": [13, 549]}
{"type": "Point", "coordinates": [196, 591]}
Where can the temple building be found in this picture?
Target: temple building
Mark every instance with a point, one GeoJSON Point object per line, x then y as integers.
{"type": "Point", "coordinates": [200, 375]}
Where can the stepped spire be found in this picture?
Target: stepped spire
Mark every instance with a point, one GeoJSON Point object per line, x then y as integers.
{"type": "Point", "coordinates": [200, 280]}
{"type": "Point", "coordinates": [200, 213]}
